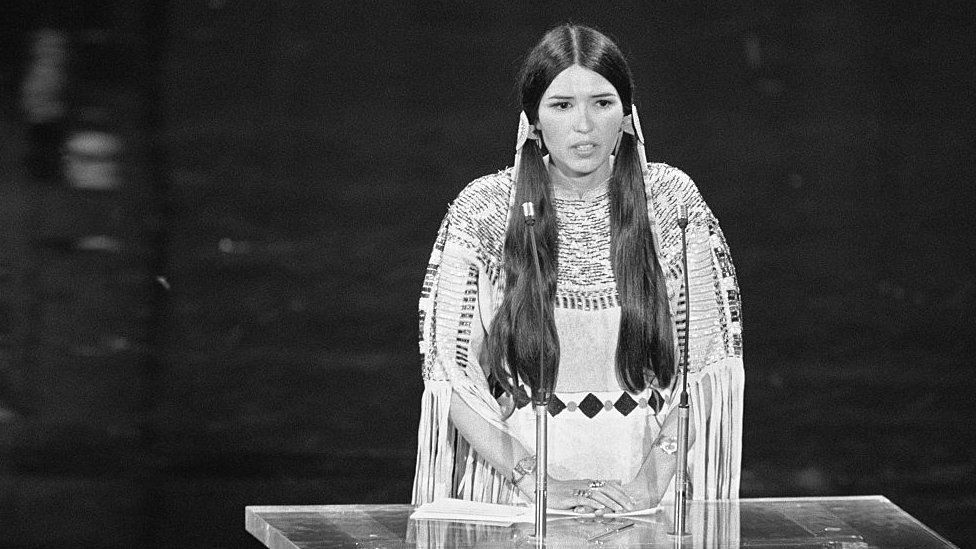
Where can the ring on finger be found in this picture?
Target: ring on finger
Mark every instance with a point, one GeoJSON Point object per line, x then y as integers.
{"type": "Point", "coordinates": [598, 483]}
{"type": "Point", "coordinates": [583, 493]}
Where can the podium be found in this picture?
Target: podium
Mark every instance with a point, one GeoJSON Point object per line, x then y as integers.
{"type": "Point", "coordinates": [858, 522]}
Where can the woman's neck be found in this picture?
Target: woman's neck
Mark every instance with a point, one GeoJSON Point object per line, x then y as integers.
{"type": "Point", "coordinates": [578, 186]}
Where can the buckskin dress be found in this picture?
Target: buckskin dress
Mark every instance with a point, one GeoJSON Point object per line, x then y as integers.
{"type": "Point", "coordinates": [596, 428]}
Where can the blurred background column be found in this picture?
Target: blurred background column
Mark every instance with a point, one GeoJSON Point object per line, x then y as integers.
{"type": "Point", "coordinates": [80, 272]}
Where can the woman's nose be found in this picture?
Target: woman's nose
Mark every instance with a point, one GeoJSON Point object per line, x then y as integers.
{"type": "Point", "coordinates": [583, 124]}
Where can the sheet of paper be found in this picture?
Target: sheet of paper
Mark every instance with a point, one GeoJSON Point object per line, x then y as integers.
{"type": "Point", "coordinates": [463, 510]}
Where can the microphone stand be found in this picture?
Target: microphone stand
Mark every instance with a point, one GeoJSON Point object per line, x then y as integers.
{"type": "Point", "coordinates": [540, 397]}
{"type": "Point", "coordinates": [681, 472]}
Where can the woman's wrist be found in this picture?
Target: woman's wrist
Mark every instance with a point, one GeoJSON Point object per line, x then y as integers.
{"type": "Point", "coordinates": [524, 468]}
{"type": "Point", "coordinates": [667, 444]}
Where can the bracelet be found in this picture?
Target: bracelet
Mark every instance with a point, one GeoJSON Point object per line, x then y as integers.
{"type": "Point", "coordinates": [668, 445]}
{"type": "Point", "coordinates": [523, 468]}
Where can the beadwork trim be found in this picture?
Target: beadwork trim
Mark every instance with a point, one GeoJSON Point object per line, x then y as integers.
{"type": "Point", "coordinates": [591, 405]}
{"type": "Point", "coordinates": [587, 301]}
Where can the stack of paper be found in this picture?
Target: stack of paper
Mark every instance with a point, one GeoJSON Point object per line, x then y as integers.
{"type": "Point", "coordinates": [463, 510]}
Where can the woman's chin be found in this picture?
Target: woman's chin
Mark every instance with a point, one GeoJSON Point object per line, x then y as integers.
{"type": "Point", "coordinates": [581, 169]}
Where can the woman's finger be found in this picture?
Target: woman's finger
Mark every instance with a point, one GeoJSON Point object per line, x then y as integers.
{"type": "Point", "coordinates": [608, 496]}
{"type": "Point", "coordinates": [620, 496]}
{"type": "Point", "coordinates": [569, 495]}
{"type": "Point", "coordinates": [605, 500]}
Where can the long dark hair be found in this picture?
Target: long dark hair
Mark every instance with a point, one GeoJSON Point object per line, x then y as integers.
{"type": "Point", "coordinates": [645, 349]}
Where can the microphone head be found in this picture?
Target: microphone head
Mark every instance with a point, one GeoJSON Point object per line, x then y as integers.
{"type": "Point", "coordinates": [682, 215]}
{"type": "Point", "coordinates": [528, 211]}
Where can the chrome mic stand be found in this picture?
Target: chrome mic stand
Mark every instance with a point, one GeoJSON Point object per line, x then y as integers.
{"type": "Point", "coordinates": [540, 469]}
{"type": "Point", "coordinates": [681, 472]}
{"type": "Point", "coordinates": [540, 398]}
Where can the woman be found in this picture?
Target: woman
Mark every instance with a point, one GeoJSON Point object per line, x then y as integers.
{"type": "Point", "coordinates": [610, 252]}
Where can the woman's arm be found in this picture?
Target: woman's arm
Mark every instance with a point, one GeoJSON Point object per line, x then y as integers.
{"type": "Point", "coordinates": [496, 446]}
{"type": "Point", "coordinates": [503, 452]}
{"type": "Point", "coordinates": [715, 346]}
{"type": "Point", "coordinates": [661, 460]}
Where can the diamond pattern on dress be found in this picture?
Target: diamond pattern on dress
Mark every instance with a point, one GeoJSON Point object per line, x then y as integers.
{"type": "Point", "coordinates": [625, 404]}
{"type": "Point", "coordinates": [555, 406]}
{"type": "Point", "coordinates": [590, 406]}
{"type": "Point", "coordinates": [656, 401]}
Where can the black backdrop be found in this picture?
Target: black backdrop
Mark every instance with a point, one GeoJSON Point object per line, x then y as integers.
{"type": "Point", "coordinates": [290, 162]}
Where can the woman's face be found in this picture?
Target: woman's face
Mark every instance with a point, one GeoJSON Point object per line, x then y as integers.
{"type": "Point", "coordinates": [579, 117]}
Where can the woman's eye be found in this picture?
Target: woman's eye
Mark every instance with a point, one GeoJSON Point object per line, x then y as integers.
{"type": "Point", "coordinates": [561, 105]}
{"type": "Point", "coordinates": [605, 103]}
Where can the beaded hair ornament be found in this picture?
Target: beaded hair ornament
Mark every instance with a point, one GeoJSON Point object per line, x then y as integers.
{"type": "Point", "coordinates": [631, 124]}
{"type": "Point", "coordinates": [633, 127]}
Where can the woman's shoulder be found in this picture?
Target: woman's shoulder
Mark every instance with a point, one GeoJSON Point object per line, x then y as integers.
{"type": "Point", "coordinates": [484, 200]}
{"type": "Point", "coordinates": [479, 214]}
{"type": "Point", "coordinates": [668, 186]}
{"type": "Point", "coordinates": [486, 192]}
{"type": "Point", "coordinates": [663, 177]}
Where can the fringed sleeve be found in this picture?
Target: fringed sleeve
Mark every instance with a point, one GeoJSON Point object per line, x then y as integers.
{"type": "Point", "coordinates": [716, 378]}
{"type": "Point", "coordinates": [429, 482]}
{"type": "Point", "coordinates": [456, 303]}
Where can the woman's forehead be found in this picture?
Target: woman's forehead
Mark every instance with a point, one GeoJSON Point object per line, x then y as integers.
{"type": "Point", "coordinates": [576, 81]}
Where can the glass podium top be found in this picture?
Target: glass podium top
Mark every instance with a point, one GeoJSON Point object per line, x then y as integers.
{"type": "Point", "coordinates": [861, 522]}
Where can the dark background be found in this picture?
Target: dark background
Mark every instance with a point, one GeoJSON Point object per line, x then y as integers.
{"type": "Point", "coordinates": [248, 334]}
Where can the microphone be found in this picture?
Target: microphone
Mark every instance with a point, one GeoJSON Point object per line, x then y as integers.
{"type": "Point", "coordinates": [540, 394]}
{"type": "Point", "coordinates": [681, 470]}
{"type": "Point", "coordinates": [682, 216]}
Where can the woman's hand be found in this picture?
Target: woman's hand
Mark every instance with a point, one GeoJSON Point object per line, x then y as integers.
{"type": "Point", "coordinates": [645, 492]}
{"type": "Point", "coordinates": [589, 496]}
